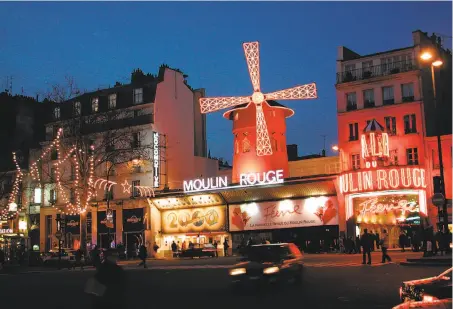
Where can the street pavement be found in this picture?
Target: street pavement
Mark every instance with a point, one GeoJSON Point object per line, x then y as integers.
{"type": "Point", "coordinates": [329, 281]}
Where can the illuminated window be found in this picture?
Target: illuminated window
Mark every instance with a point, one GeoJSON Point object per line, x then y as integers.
{"type": "Point", "coordinates": [410, 124]}
{"type": "Point", "coordinates": [412, 156]}
{"type": "Point", "coordinates": [53, 196]}
{"type": "Point", "coordinates": [138, 95]}
{"type": "Point", "coordinates": [393, 159]}
{"type": "Point", "coordinates": [54, 154]}
{"type": "Point", "coordinates": [77, 109]}
{"type": "Point", "coordinates": [368, 98]}
{"type": "Point", "coordinates": [95, 105]}
{"type": "Point", "coordinates": [355, 161]}
{"type": "Point", "coordinates": [390, 125]}
{"type": "Point", "coordinates": [245, 145]}
{"type": "Point", "coordinates": [351, 101]}
{"type": "Point", "coordinates": [72, 195]}
{"type": "Point", "coordinates": [353, 131]}
{"type": "Point", "coordinates": [388, 96]}
{"type": "Point", "coordinates": [37, 196]}
{"type": "Point", "coordinates": [56, 113]}
{"type": "Point", "coordinates": [112, 101]}
{"type": "Point", "coordinates": [135, 191]}
{"type": "Point", "coordinates": [407, 91]}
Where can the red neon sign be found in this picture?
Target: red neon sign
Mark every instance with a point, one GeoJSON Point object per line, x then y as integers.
{"type": "Point", "coordinates": [374, 145]}
{"type": "Point", "coordinates": [383, 179]}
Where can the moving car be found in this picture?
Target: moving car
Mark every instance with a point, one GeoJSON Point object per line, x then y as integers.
{"type": "Point", "coordinates": [428, 289]}
{"type": "Point", "coordinates": [435, 304]}
{"type": "Point", "coordinates": [207, 250]}
{"type": "Point", "coordinates": [269, 263]}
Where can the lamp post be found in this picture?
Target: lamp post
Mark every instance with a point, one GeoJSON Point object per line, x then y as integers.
{"type": "Point", "coordinates": [428, 56]}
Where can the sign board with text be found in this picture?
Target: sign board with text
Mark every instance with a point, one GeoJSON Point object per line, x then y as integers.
{"type": "Point", "coordinates": [313, 211]}
{"type": "Point", "coordinates": [205, 219]}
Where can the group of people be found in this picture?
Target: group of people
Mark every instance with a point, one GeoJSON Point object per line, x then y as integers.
{"type": "Point", "coordinates": [367, 242]}
{"type": "Point", "coordinates": [175, 247]}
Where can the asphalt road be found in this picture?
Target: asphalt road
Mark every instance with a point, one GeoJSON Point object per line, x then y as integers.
{"type": "Point", "coordinates": [330, 281]}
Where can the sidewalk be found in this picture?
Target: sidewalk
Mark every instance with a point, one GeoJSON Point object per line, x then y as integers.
{"type": "Point", "coordinates": [436, 260]}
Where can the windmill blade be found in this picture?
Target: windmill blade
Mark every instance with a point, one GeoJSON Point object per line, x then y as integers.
{"type": "Point", "coordinates": [263, 142]}
{"type": "Point", "coordinates": [252, 55]}
{"type": "Point", "coordinates": [208, 105]}
{"type": "Point", "coordinates": [303, 92]}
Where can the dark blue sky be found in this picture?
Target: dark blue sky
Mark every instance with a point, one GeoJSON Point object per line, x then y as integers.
{"type": "Point", "coordinates": [100, 43]}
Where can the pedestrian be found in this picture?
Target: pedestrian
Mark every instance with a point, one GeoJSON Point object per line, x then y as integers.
{"type": "Point", "coordinates": [96, 257]}
{"type": "Point", "coordinates": [385, 245]}
{"type": "Point", "coordinates": [215, 246]}
{"type": "Point", "coordinates": [377, 239]}
{"type": "Point", "coordinates": [108, 286]}
{"type": "Point", "coordinates": [402, 241]}
{"type": "Point", "coordinates": [174, 248]}
{"type": "Point", "coordinates": [367, 243]}
{"type": "Point", "coordinates": [341, 244]}
{"type": "Point", "coordinates": [143, 254]}
{"type": "Point", "coordinates": [357, 244]}
{"type": "Point", "coordinates": [225, 247]}
{"type": "Point", "coordinates": [78, 259]}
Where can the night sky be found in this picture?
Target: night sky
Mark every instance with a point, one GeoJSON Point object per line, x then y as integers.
{"type": "Point", "coordinates": [100, 43]}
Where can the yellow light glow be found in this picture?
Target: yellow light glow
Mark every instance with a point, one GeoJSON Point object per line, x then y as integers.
{"type": "Point", "coordinates": [335, 148]}
{"type": "Point", "coordinates": [271, 270]}
{"type": "Point", "coordinates": [285, 205]}
{"type": "Point", "coordinates": [251, 209]}
{"type": "Point", "coordinates": [426, 56]}
{"type": "Point", "coordinates": [437, 63]}
{"type": "Point", "coordinates": [237, 271]}
{"type": "Point", "coordinates": [22, 225]}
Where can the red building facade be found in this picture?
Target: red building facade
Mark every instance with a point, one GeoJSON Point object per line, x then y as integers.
{"type": "Point", "coordinates": [386, 170]}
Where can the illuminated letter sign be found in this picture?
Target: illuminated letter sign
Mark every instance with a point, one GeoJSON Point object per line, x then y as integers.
{"type": "Point", "coordinates": [156, 160]}
{"type": "Point", "coordinates": [374, 145]}
{"type": "Point", "coordinates": [383, 179]}
{"type": "Point", "coordinates": [269, 177]}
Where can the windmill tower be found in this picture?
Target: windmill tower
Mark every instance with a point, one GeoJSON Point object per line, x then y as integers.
{"type": "Point", "coordinates": [259, 124]}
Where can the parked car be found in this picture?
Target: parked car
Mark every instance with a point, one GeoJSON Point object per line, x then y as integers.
{"type": "Point", "coordinates": [207, 250]}
{"type": "Point", "coordinates": [427, 289]}
{"type": "Point", "coordinates": [435, 304]}
{"type": "Point", "coordinates": [268, 263]}
{"type": "Point", "coordinates": [67, 257]}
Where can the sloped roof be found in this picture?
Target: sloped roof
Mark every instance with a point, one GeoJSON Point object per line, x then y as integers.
{"type": "Point", "coordinates": [373, 126]}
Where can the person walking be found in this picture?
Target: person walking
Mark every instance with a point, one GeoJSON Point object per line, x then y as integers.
{"type": "Point", "coordinates": [402, 241]}
{"type": "Point", "coordinates": [143, 254]}
{"type": "Point", "coordinates": [225, 247]}
{"type": "Point", "coordinates": [215, 246]}
{"type": "Point", "coordinates": [78, 259]}
{"type": "Point", "coordinates": [366, 242]}
{"type": "Point", "coordinates": [385, 245]}
{"type": "Point", "coordinates": [174, 248]}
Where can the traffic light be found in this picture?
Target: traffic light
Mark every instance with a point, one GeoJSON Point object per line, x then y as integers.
{"type": "Point", "coordinates": [437, 183]}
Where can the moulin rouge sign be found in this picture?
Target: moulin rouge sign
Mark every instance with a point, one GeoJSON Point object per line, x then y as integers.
{"type": "Point", "coordinates": [376, 147]}
{"type": "Point", "coordinates": [245, 180]}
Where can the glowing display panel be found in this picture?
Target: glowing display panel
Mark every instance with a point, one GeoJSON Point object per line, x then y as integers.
{"type": "Point", "coordinates": [206, 219]}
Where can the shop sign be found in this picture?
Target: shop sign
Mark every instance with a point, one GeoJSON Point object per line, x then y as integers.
{"type": "Point", "coordinates": [156, 161]}
{"type": "Point", "coordinates": [73, 224]}
{"type": "Point", "coordinates": [314, 211]}
{"type": "Point", "coordinates": [6, 231]}
{"type": "Point", "coordinates": [104, 223]}
{"type": "Point", "coordinates": [383, 179]}
{"type": "Point", "coordinates": [133, 220]}
{"type": "Point", "coordinates": [206, 219]}
{"type": "Point", "coordinates": [245, 180]}
{"type": "Point", "coordinates": [387, 208]}
{"type": "Point", "coordinates": [374, 146]}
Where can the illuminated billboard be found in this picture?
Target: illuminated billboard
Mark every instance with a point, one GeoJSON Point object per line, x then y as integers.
{"type": "Point", "coordinates": [206, 219]}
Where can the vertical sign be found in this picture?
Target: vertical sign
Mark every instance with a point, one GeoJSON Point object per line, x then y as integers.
{"type": "Point", "coordinates": [156, 160]}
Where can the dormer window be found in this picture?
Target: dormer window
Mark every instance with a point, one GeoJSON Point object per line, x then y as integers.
{"type": "Point", "coordinates": [95, 105]}
{"type": "Point", "coordinates": [56, 113]}
{"type": "Point", "coordinates": [138, 95]}
{"type": "Point", "coordinates": [112, 101]}
{"type": "Point", "coordinates": [77, 109]}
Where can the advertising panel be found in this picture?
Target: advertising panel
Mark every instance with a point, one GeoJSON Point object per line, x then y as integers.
{"type": "Point", "coordinates": [206, 219]}
{"type": "Point", "coordinates": [387, 208]}
{"type": "Point", "coordinates": [312, 211]}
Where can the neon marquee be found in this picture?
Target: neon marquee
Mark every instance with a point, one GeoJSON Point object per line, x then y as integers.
{"type": "Point", "coordinates": [383, 179]}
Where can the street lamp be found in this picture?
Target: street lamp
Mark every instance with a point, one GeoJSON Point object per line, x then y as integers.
{"type": "Point", "coordinates": [427, 56]}
{"type": "Point", "coordinates": [335, 148]}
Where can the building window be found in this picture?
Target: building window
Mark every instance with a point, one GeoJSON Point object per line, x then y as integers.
{"type": "Point", "coordinates": [77, 109]}
{"type": "Point", "coordinates": [95, 105]}
{"type": "Point", "coordinates": [37, 196]}
{"type": "Point", "coordinates": [54, 154]}
{"type": "Point", "coordinates": [390, 125]}
{"type": "Point", "coordinates": [53, 196]}
{"type": "Point", "coordinates": [355, 160]}
{"type": "Point", "coordinates": [135, 140]}
{"type": "Point", "coordinates": [72, 196]}
{"type": "Point", "coordinates": [351, 101]}
{"type": "Point", "coordinates": [56, 113]}
{"type": "Point", "coordinates": [245, 145]}
{"type": "Point", "coordinates": [368, 98]}
{"type": "Point", "coordinates": [349, 67]}
{"type": "Point", "coordinates": [353, 131]}
{"type": "Point", "coordinates": [410, 124]}
{"type": "Point", "coordinates": [112, 101]}
{"type": "Point", "coordinates": [387, 95]}
{"type": "Point", "coordinates": [393, 159]}
{"type": "Point", "coordinates": [72, 176]}
{"type": "Point", "coordinates": [412, 156]}
{"type": "Point", "coordinates": [108, 194]}
{"type": "Point", "coordinates": [52, 174]}
{"type": "Point", "coordinates": [407, 91]}
{"type": "Point", "coordinates": [135, 191]}
{"type": "Point", "coordinates": [138, 95]}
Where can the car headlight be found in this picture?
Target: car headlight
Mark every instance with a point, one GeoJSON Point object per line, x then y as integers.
{"type": "Point", "coordinates": [271, 270]}
{"type": "Point", "coordinates": [428, 298]}
{"type": "Point", "coordinates": [237, 271]}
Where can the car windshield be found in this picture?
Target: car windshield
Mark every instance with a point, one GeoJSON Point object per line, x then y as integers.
{"type": "Point", "coordinates": [266, 253]}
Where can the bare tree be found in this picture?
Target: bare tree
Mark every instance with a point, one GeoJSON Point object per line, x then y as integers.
{"type": "Point", "coordinates": [91, 146]}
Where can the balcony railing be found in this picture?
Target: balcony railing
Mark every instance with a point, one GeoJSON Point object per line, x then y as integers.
{"type": "Point", "coordinates": [375, 71]}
